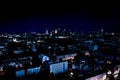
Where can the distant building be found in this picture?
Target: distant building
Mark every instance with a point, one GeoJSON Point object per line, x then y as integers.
{"type": "Point", "coordinates": [46, 31]}
{"type": "Point", "coordinates": [56, 68]}
{"type": "Point", "coordinates": [59, 67]}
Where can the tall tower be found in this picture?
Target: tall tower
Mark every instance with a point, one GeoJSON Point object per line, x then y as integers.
{"type": "Point", "coordinates": [46, 31]}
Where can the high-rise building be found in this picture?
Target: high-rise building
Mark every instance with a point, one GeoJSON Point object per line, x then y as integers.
{"type": "Point", "coordinates": [46, 31]}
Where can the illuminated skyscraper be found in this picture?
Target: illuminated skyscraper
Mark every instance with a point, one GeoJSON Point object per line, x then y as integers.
{"type": "Point", "coordinates": [46, 31]}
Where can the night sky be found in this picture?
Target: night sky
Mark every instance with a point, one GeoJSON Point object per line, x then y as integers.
{"type": "Point", "coordinates": [86, 15]}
